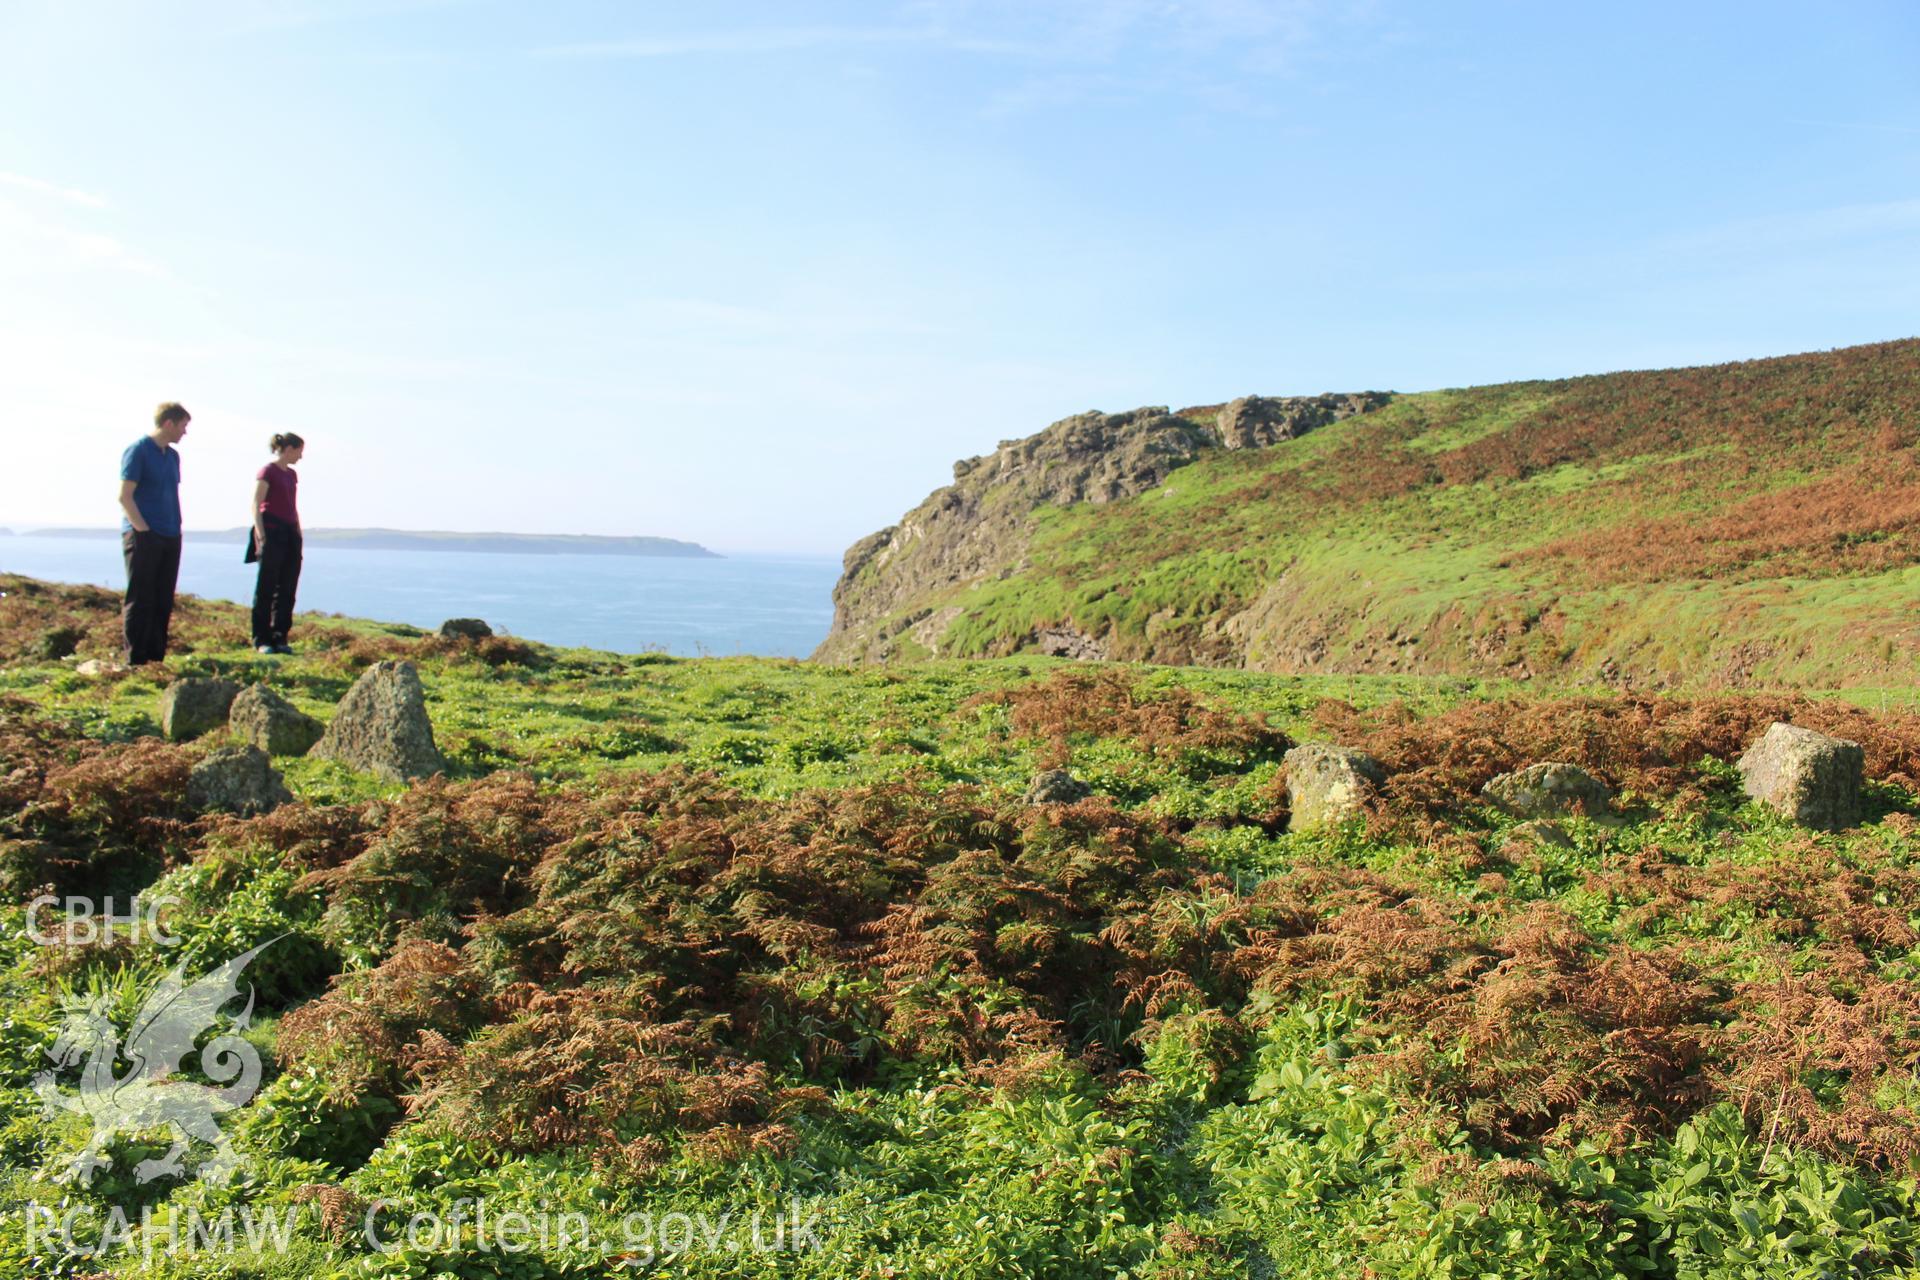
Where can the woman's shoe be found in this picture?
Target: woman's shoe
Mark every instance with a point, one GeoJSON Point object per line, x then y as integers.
{"type": "Point", "coordinates": [265, 648]}
{"type": "Point", "coordinates": [283, 648]}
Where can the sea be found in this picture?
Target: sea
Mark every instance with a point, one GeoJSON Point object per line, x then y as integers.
{"type": "Point", "coordinates": [768, 605]}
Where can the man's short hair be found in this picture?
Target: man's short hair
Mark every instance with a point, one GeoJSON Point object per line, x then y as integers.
{"type": "Point", "coordinates": [170, 412]}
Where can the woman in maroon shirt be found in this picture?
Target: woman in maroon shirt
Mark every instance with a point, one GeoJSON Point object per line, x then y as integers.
{"type": "Point", "coordinates": [276, 544]}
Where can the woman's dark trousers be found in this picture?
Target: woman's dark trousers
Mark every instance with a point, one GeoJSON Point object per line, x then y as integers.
{"type": "Point", "coordinates": [273, 590]}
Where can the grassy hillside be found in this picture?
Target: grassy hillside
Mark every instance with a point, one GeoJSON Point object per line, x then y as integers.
{"type": "Point", "coordinates": [1744, 525]}
{"type": "Point", "coordinates": [720, 938]}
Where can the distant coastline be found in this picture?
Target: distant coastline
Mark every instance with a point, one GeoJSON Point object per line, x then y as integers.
{"type": "Point", "coordinates": [551, 544]}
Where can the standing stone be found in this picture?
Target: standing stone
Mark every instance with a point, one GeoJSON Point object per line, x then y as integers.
{"type": "Point", "coordinates": [1326, 785]}
{"type": "Point", "coordinates": [237, 779]}
{"type": "Point", "coordinates": [191, 707]}
{"type": "Point", "coordinates": [464, 629]}
{"type": "Point", "coordinates": [1549, 789]}
{"type": "Point", "coordinates": [1055, 786]}
{"type": "Point", "coordinates": [381, 726]}
{"type": "Point", "coordinates": [268, 721]}
{"type": "Point", "coordinates": [1806, 776]}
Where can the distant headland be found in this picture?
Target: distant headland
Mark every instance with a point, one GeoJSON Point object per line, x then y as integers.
{"type": "Point", "coordinates": [579, 544]}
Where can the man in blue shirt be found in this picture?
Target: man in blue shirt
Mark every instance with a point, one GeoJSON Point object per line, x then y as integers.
{"type": "Point", "coordinates": [150, 533]}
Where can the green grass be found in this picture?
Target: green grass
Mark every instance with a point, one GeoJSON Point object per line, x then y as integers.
{"type": "Point", "coordinates": [1446, 513]}
{"type": "Point", "coordinates": [1241, 1129]}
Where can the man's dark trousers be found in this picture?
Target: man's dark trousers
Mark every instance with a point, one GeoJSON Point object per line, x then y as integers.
{"type": "Point", "coordinates": [279, 578]}
{"type": "Point", "coordinates": [153, 566]}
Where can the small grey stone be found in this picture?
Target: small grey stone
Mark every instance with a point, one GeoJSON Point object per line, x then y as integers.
{"type": "Point", "coordinates": [1055, 786]}
{"type": "Point", "coordinates": [464, 629]}
{"type": "Point", "coordinates": [268, 721]}
{"type": "Point", "coordinates": [237, 779]}
{"type": "Point", "coordinates": [1809, 777]}
{"type": "Point", "coordinates": [193, 706]}
{"type": "Point", "coordinates": [381, 726]}
{"type": "Point", "coordinates": [1549, 789]}
{"type": "Point", "coordinates": [1327, 784]}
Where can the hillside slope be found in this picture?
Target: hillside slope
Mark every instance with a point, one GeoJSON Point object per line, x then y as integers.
{"type": "Point", "coordinates": [1752, 523]}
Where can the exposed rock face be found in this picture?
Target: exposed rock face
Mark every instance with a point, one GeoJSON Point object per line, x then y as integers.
{"type": "Point", "coordinates": [1326, 785]}
{"type": "Point", "coordinates": [1068, 642]}
{"type": "Point", "coordinates": [464, 629]}
{"type": "Point", "coordinates": [979, 526]}
{"type": "Point", "coordinates": [1549, 789]}
{"type": "Point", "coordinates": [381, 726]}
{"type": "Point", "coordinates": [1055, 786]}
{"type": "Point", "coordinates": [268, 721]}
{"type": "Point", "coordinates": [1806, 776]}
{"type": "Point", "coordinates": [193, 706]}
{"type": "Point", "coordinates": [1255, 422]}
{"type": "Point", "coordinates": [238, 780]}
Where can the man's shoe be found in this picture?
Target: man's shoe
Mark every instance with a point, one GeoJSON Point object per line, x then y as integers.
{"type": "Point", "coordinates": [267, 648]}
{"type": "Point", "coordinates": [283, 648]}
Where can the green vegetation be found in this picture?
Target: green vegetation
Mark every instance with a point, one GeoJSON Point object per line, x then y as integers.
{"type": "Point", "coordinates": [1747, 525]}
{"type": "Point", "coordinates": [686, 954]}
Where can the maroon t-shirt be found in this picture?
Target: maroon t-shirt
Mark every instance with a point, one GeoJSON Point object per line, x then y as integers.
{"type": "Point", "coordinates": [281, 484]}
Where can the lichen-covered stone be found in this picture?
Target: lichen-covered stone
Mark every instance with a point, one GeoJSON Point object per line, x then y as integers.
{"type": "Point", "coordinates": [238, 780]}
{"type": "Point", "coordinates": [1327, 784]}
{"type": "Point", "coordinates": [381, 726]}
{"type": "Point", "coordinates": [1055, 786]}
{"type": "Point", "coordinates": [194, 706]}
{"type": "Point", "coordinates": [268, 721]}
{"type": "Point", "coordinates": [464, 629]}
{"type": "Point", "coordinates": [1548, 790]}
{"type": "Point", "coordinates": [1807, 776]}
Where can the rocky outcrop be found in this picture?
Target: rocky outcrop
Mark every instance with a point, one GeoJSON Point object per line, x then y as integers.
{"type": "Point", "coordinates": [236, 780]}
{"type": "Point", "coordinates": [1068, 642]}
{"type": "Point", "coordinates": [979, 526]}
{"type": "Point", "coordinates": [381, 726]}
{"type": "Point", "coordinates": [465, 629]}
{"type": "Point", "coordinates": [1809, 777]}
{"type": "Point", "coordinates": [1256, 422]}
{"type": "Point", "coordinates": [1549, 790]}
{"type": "Point", "coordinates": [195, 706]}
{"type": "Point", "coordinates": [1055, 786]}
{"type": "Point", "coordinates": [264, 719]}
{"type": "Point", "coordinates": [1327, 785]}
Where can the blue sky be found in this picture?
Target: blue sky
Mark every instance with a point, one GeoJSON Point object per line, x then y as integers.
{"type": "Point", "coordinates": [756, 274]}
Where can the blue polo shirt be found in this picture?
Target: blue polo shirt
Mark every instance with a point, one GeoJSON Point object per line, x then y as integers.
{"type": "Point", "coordinates": [155, 472]}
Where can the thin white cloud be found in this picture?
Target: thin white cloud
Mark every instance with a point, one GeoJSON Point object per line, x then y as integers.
{"type": "Point", "coordinates": [751, 40]}
{"type": "Point", "coordinates": [34, 245]}
{"type": "Point", "coordinates": [272, 15]}
{"type": "Point", "coordinates": [1799, 230]}
{"type": "Point", "coordinates": [40, 186]}
{"type": "Point", "coordinates": [1073, 31]}
{"type": "Point", "coordinates": [1764, 246]}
